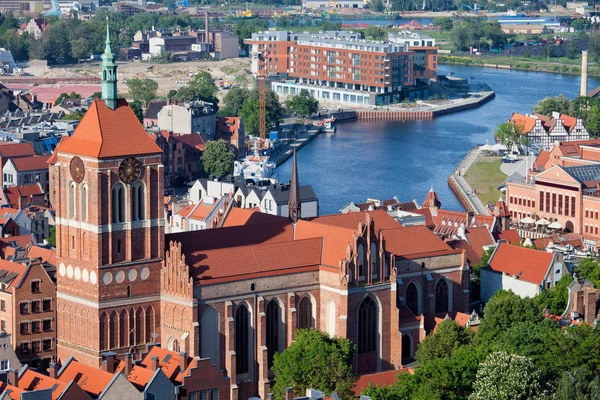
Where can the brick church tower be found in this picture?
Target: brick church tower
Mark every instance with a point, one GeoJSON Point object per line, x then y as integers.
{"type": "Point", "coordinates": [107, 188]}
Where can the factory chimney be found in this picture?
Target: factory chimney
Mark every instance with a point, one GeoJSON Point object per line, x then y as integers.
{"type": "Point", "coordinates": [584, 73]}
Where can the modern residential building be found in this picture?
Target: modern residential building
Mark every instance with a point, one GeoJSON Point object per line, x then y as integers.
{"type": "Point", "coordinates": [524, 271]}
{"type": "Point", "coordinates": [168, 44]}
{"type": "Point", "coordinates": [197, 117]}
{"type": "Point", "coordinates": [342, 68]}
{"type": "Point", "coordinates": [411, 38]}
{"type": "Point", "coordinates": [543, 131]}
{"type": "Point", "coordinates": [321, 5]}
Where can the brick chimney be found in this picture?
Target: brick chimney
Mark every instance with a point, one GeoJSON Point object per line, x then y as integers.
{"type": "Point", "coordinates": [108, 362]}
{"type": "Point", "coordinates": [53, 370]}
{"type": "Point", "coordinates": [590, 306]}
{"type": "Point", "coordinates": [128, 363]}
{"type": "Point", "coordinates": [182, 361]}
{"type": "Point", "coordinates": [154, 363]}
{"type": "Point", "coordinates": [289, 393]}
{"type": "Point", "coordinates": [470, 217]}
{"type": "Point", "coordinates": [13, 377]}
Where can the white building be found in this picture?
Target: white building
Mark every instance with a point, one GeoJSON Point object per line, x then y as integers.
{"type": "Point", "coordinates": [320, 5]}
{"type": "Point", "coordinates": [411, 39]}
{"type": "Point", "coordinates": [194, 217]}
{"type": "Point", "coordinates": [215, 188]}
{"type": "Point", "coordinates": [25, 170]}
{"type": "Point", "coordinates": [524, 271]}
{"type": "Point", "coordinates": [197, 117]}
{"type": "Point", "coordinates": [19, 217]}
{"type": "Point", "coordinates": [273, 199]}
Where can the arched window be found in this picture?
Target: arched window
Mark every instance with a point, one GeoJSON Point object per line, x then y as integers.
{"type": "Point", "coordinates": [330, 318]}
{"type": "Point", "coordinates": [113, 330]}
{"type": "Point", "coordinates": [305, 319]}
{"type": "Point", "coordinates": [131, 325]}
{"type": "Point", "coordinates": [137, 201]}
{"type": "Point", "coordinates": [173, 344]}
{"type": "Point", "coordinates": [406, 346]}
{"type": "Point", "coordinates": [412, 298]}
{"type": "Point", "coordinates": [71, 196]}
{"type": "Point", "coordinates": [273, 318]}
{"type": "Point", "coordinates": [118, 203]}
{"type": "Point", "coordinates": [103, 332]}
{"type": "Point", "coordinates": [84, 203]}
{"type": "Point", "coordinates": [242, 339]}
{"type": "Point", "coordinates": [104, 75]}
{"type": "Point", "coordinates": [374, 264]}
{"type": "Point", "coordinates": [209, 335]}
{"type": "Point", "coordinates": [150, 335]}
{"type": "Point", "coordinates": [441, 296]}
{"type": "Point", "coordinates": [139, 326]}
{"type": "Point", "coordinates": [122, 329]}
{"type": "Point", "coordinates": [362, 262]}
{"type": "Point", "coordinates": [367, 326]}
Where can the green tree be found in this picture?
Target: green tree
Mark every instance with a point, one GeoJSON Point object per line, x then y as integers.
{"type": "Point", "coordinates": [579, 384]}
{"type": "Point", "coordinates": [172, 94]}
{"type": "Point", "coordinates": [546, 106]}
{"type": "Point", "coordinates": [63, 96]}
{"type": "Point", "coordinates": [52, 237]}
{"type": "Point", "coordinates": [589, 268]}
{"type": "Point", "coordinates": [485, 259]}
{"type": "Point", "coordinates": [74, 116]}
{"type": "Point", "coordinates": [80, 48]}
{"type": "Point", "coordinates": [315, 360]}
{"type": "Point", "coordinates": [250, 112]}
{"type": "Point", "coordinates": [594, 46]}
{"type": "Point", "coordinates": [302, 104]}
{"type": "Point", "coordinates": [504, 376]}
{"type": "Point", "coordinates": [572, 50]}
{"type": "Point", "coordinates": [510, 134]}
{"type": "Point", "coordinates": [217, 158]}
{"type": "Point", "coordinates": [142, 90]}
{"type": "Point", "coordinates": [375, 32]}
{"type": "Point", "coordinates": [443, 23]}
{"type": "Point", "coordinates": [377, 5]}
{"type": "Point", "coordinates": [592, 123]}
{"type": "Point", "coordinates": [234, 101]}
{"type": "Point", "coordinates": [555, 299]}
{"type": "Point", "coordinates": [448, 337]}
{"type": "Point", "coordinates": [137, 108]}
{"type": "Point", "coordinates": [204, 86]}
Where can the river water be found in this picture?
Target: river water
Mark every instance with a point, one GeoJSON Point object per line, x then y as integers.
{"type": "Point", "coordinates": [404, 159]}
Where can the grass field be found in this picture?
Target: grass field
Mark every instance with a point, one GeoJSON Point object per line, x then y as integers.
{"type": "Point", "coordinates": [484, 177]}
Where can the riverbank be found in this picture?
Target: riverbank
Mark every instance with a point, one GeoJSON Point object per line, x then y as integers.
{"type": "Point", "coordinates": [301, 138]}
{"type": "Point", "coordinates": [461, 188]}
{"type": "Point", "coordinates": [520, 64]}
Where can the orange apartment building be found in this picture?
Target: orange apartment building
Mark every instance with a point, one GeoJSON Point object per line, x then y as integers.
{"type": "Point", "coordinates": [342, 68]}
{"type": "Point", "coordinates": [565, 187]}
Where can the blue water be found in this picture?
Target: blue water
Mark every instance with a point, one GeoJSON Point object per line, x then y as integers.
{"type": "Point", "coordinates": [386, 159]}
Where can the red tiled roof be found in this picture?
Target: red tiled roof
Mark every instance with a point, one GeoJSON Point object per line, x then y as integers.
{"type": "Point", "coordinates": [427, 213]}
{"type": "Point", "coordinates": [458, 244]}
{"type": "Point", "coordinates": [350, 220]}
{"type": "Point", "coordinates": [90, 379]}
{"type": "Point", "coordinates": [228, 127]}
{"type": "Point", "coordinates": [11, 150]}
{"type": "Point", "coordinates": [256, 260]}
{"type": "Point", "coordinates": [248, 216]}
{"type": "Point", "coordinates": [106, 133]}
{"type": "Point", "coordinates": [385, 378]}
{"type": "Point", "coordinates": [196, 211]}
{"type": "Point", "coordinates": [501, 209]}
{"type": "Point", "coordinates": [527, 123]}
{"type": "Point", "coordinates": [21, 241]}
{"type": "Point", "coordinates": [169, 362]}
{"type": "Point", "coordinates": [31, 380]}
{"type": "Point", "coordinates": [14, 392]}
{"type": "Point", "coordinates": [542, 243]}
{"type": "Point", "coordinates": [477, 238]}
{"type": "Point", "coordinates": [447, 222]}
{"type": "Point", "coordinates": [541, 159]}
{"type": "Point", "coordinates": [530, 265]}
{"type": "Point", "coordinates": [510, 236]}
{"type": "Point", "coordinates": [32, 163]}
{"type": "Point", "coordinates": [432, 199]}
{"type": "Point", "coordinates": [568, 122]}
{"type": "Point", "coordinates": [14, 193]}
{"type": "Point", "coordinates": [190, 139]}
{"type": "Point", "coordinates": [46, 255]}
{"type": "Point", "coordinates": [415, 242]}
{"type": "Point", "coordinates": [335, 239]}
{"type": "Point", "coordinates": [9, 267]}
{"type": "Point", "coordinates": [572, 148]}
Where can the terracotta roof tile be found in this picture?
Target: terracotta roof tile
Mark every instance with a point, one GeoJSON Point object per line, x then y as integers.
{"type": "Point", "coordinates": [541, 160]}
{"type": "Point", "coordinates": [479, 237]}
{"type": "Point", "coordinates": [530, 265]}
{"type": "Point", "coordinates": [427, 213]}
{"type": "Point", "coordinates": [415, 242]}
{"type": "Point", "coordinates": [350, 220]}
{"type": "Point", "coordinates": [11, 273]}
{"type": "Point", "coordinates": [11, 150]}
{"type": "Point", "coordinates": [31, 163]}
{"type": "Point", "coordinates": [139, 376]}
{"type": "Point", "coordinates": [21, 241]}
{"type": "Point", "coordinates": [31, 380]}
{"type": "Point", "coordinates": [385, 378]}
{"type": "Point", "coordinates": [447, 222]}
{"type": "Point", "coordinates": [248, 216]}
{"type": "Point", "coordinates": [169, 362]}
{"type": "Point", "coordinates": [90, 379]}
{"type": "Point", "coordinates": [458, 317]}
{"type": "Point", "coordinates": [46, 255]}
{"type": "Point", "coordinates": [568, 122]}
{"type": "Point", "coordinates": [573, 148]}
{"type": "Point", "coordinates": [527, 123]}
{"type": "Point", "coordinates": [335, 239]}
{"type": "Point", "coordinates": [106, 133]}
{"type": "Point", "coordinates": [458, 244]}
{"type": "Point", "coordinates": [509, 236]}
{"type": "Point", "coordinates": [15, 392]}
{"type": "Point", "coordinates": [14, 193]}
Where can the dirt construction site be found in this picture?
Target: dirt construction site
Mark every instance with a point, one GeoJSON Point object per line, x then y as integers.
{"type": "Point", "coordinates": [235, 71]}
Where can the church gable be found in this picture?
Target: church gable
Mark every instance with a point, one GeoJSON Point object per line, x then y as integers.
{"type": "Point", "coordinates": [175, 274]}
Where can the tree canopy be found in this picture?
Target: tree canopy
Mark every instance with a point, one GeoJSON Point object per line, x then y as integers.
{"type": "Point", "coordinates": [449, 336]}
{"type": "Point", "coordinates": [589, 268]}
{"type": "Point", "coordinates": [250, 112]}
{"type": "Point", "coordinates": [510, 134]}
{"type": "Point", "coordinates": [142, 90]}
{"type": "Point", "coordinates": [302, 104]}
{"type": "Point", "coordinates": [315, 360]}
{"type": "Point", "coordinates": [217, 158]}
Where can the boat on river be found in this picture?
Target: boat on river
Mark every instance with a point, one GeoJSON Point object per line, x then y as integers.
{"type": "Point", "coordinates": [328, 125]}
{"type": "Point", "coordinates": [255, 166]}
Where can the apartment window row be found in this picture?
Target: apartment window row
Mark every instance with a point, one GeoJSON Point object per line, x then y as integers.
{"type": "Point", "coordinates": [37, 306]}
{"type": "Point", "coordinates": [36, 326]}
{"type": "Point", "coordinates": [593, 230]}
{"type": "Point", "coordinates": [593, 214]}
{"type": "Point", "coordinates": [557, 203]}
{"type": "Point", "coordinates": [210, 394]}
{"type": "Point", "coordinates": [519, 201]}
{"type": "Point", "coordinates": [35, 346]}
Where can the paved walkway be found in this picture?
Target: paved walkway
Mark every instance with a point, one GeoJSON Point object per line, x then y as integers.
{"type": "Point", "coordinates": [520, 166]}
{"type": "Point", "coordinates": [461, 184]}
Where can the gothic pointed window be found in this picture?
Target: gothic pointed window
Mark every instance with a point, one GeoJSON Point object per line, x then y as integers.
{"type": "Point", "coordinates": [84, 203]}
{"type": "Point", "coordinates": [118, 203]}
{"type": "Point", "coordinates": [374, 263]}
{"type": "Point", "coordinates": [367, 326]}
{"type": "Point", "coordinates": [137, 202]}
{"type": "Point", "coordinates": [362, 262]}
{"type": "Point", "coordinates": [72, 200]}
{"type": "Point", "coordinates": [412, 298]}
{"type": "Point", "coordinates": [441, 296]}
{"type": "Point", "coordinates": [305, 318]}
{"type": "Point", "coordinates": [242, 339]}
{"type": "Point", "coordinates": [273, 331]}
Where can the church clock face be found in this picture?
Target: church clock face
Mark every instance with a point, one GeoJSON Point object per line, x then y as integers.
{"type": "Point", "coordinates": [77, 169]}
{"type": "Point", "coordinates": [130, 170]}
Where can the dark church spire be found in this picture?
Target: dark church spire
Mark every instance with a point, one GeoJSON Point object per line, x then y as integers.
{"type": "Point", "coordinates": [294, 201]}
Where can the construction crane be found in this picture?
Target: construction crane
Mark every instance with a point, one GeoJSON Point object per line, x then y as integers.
{"type": "Point", "coordinates": [262, 98]}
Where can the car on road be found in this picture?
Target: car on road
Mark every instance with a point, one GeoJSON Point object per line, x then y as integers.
{"type": "Point", "coordinates": [509, 159]}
